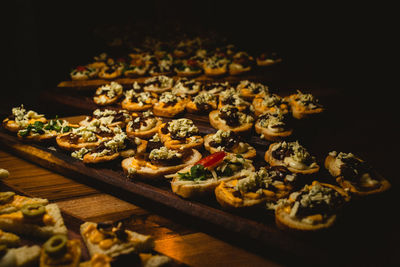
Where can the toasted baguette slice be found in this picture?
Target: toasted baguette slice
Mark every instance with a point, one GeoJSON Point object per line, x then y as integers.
{"type": "Point", "coordinates": [15, 222]}
{"type": "Point", "coordinates": [220, 124]}
{"type": "Point", "coordinates": [21, 257]}
{"type": "Point", "coordinates": [134, 243]}
{"type": "Point", "coordinates": [70, 258]}
{"type": "Point", "coordinates": [270, 135]}
{"type": "Point", "coordinates": [193, 108]}
{"type": "Point", "coordinates": [194, 189]}
{"type": "Point", "coordinates": [300, 111]}
{"type": "Point", "coordinates": [144, 134]}
{"type": "Point", "coordinates": [63, 142]}
{"type": "Point", "coordinates": [274, 162]}
{"type": "Point", "coordinates": [285, 221]}
{"type": "Point", "coordinates": [145, 170]}
{"type": "Point", "coordinates": [224, 194]}
{"type": "Point", "coordinates": [355, 187]}
{"type": "Point", "coordinates": [250, 153]}
{"type": "Point", "coordinates": [9, 239]}
{"type": "Point", "coordinates": [213, 72]}
{"type": "Point", "coordinates": [159, 109]}
{"type": "Point", "coordinates": [12, 126]}
{"type": "Point", "coordinates": [237, 69]}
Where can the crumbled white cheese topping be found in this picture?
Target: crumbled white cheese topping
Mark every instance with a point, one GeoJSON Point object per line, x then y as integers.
{"type": "Point", "coordinates": [168, 97]}
{"type": "Point", "coordinates": [111, 90]}
{"type": "Point", "coordinates": [219, 135]}
{"type": "Point", "coordinates": [78, 154]}
{"type": "Point", "coordinates": [204, 97]}
{"type": "Point", "coordinates": [182, 127]}
{"type": "Point", "coordinates": [22, 117]}
{"type": "Point", "coordinates": [164, 153]}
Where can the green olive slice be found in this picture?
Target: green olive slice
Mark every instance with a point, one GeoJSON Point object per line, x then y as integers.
{"type": "Point", "coordinates": [56, 245]}
{"type": "Point", "coordinates": [33, 211]}
{"type": "Point", "coordinates": [5, 197]}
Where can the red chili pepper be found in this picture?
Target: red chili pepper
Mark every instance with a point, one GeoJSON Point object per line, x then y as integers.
{"type": "Point", "coordinates": [212, 160]}
{"type": "Point", "coordinates": [81, 68]}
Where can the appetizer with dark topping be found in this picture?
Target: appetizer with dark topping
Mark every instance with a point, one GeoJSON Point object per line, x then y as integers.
{"type": "Point", "coordinates": [158, 84]}
{"type": "Point", "coordinates": [185, 87]}
{"type": "Point", "coordinates": [81, 73]}
{"type": "Point", "coordinates": [138, 101]}
{"type": "Point", "coordinates": [265, 186]}
{"type": "Point", "coordinates": [241, 63]}
{"type": "Point", "coordinates": [108, 94]}
{"type": "Point", "coordinates": [159, 162]}
{"type": "Point", "coordinates": [230, 118]}
{"type": "Point", "coordinates": [265, 102]}
{"type": "Point", "coordinates": [273, 126]}
{"type": "Point", "coordinates": [112, 69]}
{"type": "Point", "coordinates": [108, 117]}
{"type": "Point", "coordinates": [169, 105]}
{"type": "Point", "coordinates": [232, 97]}
{"type": "Point", "coordinates": [215, 66]}
{"type": "Point", "coordinates": [304, 105]}
{"type": "Point", "coordinates": [201, 179]}
{"type": "Point", "coordinates": [313, 208]}
{"type": "Point", "coordinates": [216, 87]}
{"type": "Point", "coordinates": [180, 134]}
{"type": "Point", "coordinates": [143, 125]}
{"type": "Point", "coordinates": [229, 142]}
{"type": "Point", "coordinates": [201, 103]}
{"type": "Point", "coordinates": [267, 59]}
{"type": "Point", "coordinates": [248, 90]}
{"type": "Point", "coordinates": [21, 118]}
{"type": "Point", "coordinates": [163, 66]}
{"type": "Point", "coordinates": [355, 174]}
{"type": "Point", "coordinates": [293, 156]}
{"type": "Point", "coordinates": [188, 67]}
{"type": "Point", "coordinates": [89, 136]}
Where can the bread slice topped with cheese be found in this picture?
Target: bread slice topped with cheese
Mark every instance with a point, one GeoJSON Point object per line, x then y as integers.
{"type": "Point", "coordinates": [202, 103]}
{"type": "Point", "coordinates": [248, 90]}
{"type": "Point", "coordinates": [230, 118]}
{"type": "Point", "coordinates": [187, 87]}
{"type": "Point", "coordinates": [354, 174]}
{"type": "Point", "coordinates": [111, 69]}
{"type": "Point", "coordinates": [11, 202]}
{"type": "Point", "coordinates": [293, 156]}
{"type": "Point", "coordinates": [232, 97]}
{"type": "Point", "coordinates": [9, 239]}
{"type": "Point", "coordinates": [21, 118]}
{"type": "Point", "coordinates": [113, 240]}
{"type": "Point", "coordinates": [169, 105]}
{"type": "Point", "coordinates": [268, 59]}
{"type": "Point", "coordinates": [39, 131]}
{"type": "Point", "coordinates": [158, 84]}
{"type": "Point", "coordinates": [188, 67]}
{"type": "Point", "coordinates": [274, 125]}
{"type": "Point", "coordinates": [138, 101]}
{"type": "Point", "coordinates": [85, 136]}
{"type": "Point", "coordinates": [36, 220]}
{"type": "Point", "coordinates": [241, 63]}
{"type": "Point", "coordinates": [108, 94]}
{"type": "Point", "coordinates": [158, 162]}
{"type": "Point", "coordinates": [215, 66]}
{"type": "Point", "coordinates": [229, 142]}
{"type": "Point", "coordinates": [201, 178]}
{"type": "Point", "coordinates": [143, 125]}
{"type": "Point", "coordinates": [267, 185]}
{"type": "Point", "coordinates": [108, 117]}
{"type": "Point", "coordinates": [180, 134]}
{"type": "Point", "coordinates": [265, 102]}
{"type": "Point", "coordinates": [19, 257]}
{"type": "Point", "coordinates": [304, 105]}
{"type": "Point", "coordinates": [59, 251]}
{"type": "Point", "coordinates": [81, 73]}
{"type": "Point", "coordinates": [313, 208]}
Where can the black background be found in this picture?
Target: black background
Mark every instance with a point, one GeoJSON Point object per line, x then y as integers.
{"type": "Point", "coordinates": [334, 44]}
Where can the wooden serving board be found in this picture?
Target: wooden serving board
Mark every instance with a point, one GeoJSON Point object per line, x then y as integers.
{"type": "Point", "coordinates": [255, 225]}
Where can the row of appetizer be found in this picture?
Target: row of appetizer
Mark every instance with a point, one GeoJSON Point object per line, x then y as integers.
{"type": "Point", "coordinates": [229, 107]}
{"type": "Point", "coordinates": [109, 244]}
{"type": "Point", "coordinates": [181, 61]}
{"type": "Point", "coordinates": [170, 150]}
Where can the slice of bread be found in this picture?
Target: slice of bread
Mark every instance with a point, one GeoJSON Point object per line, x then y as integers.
{"type": "Point", "coordinates": [250, 153]}
{"type": "Point", "coordinates": [220, 124]}
{"type": "Point", "coordinates": [70, 258]}
{"type": "Point", "coordinates": [21, 257]}
{"type": "Point", "coordinates": [15, 223]}
{"type": "Point", "coordinates": [136, 242]}
{"type": "Point", "coordinates": [272, 136]}
{"type": "Point", "coordinates": [147, 171]}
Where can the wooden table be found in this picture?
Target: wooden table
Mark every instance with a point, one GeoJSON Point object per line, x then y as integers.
{"type": "Point", "coordinates": [174, 238]}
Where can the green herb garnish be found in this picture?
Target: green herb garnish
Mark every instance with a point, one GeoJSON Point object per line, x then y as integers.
{"type": "Point", "coordinates": [197, 173]}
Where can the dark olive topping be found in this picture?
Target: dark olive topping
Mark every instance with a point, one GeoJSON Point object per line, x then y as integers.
{"type": "Point", "coordinates": [126, 260]}
{"type": "Point", "coordinates": [141, 122]}
{"type": "Point", "coordinates": [231, 119]}
{"type": "Point", "coordinates": [56, 246]}
{"type": "Point", "coordinates": [227, 142]}
{"type": "Point", "coordinates": [153, 145]}
{"type": "Point", "coordinates": [282, 153]}
{"type": "Point", "coordinates": [353, 168]}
